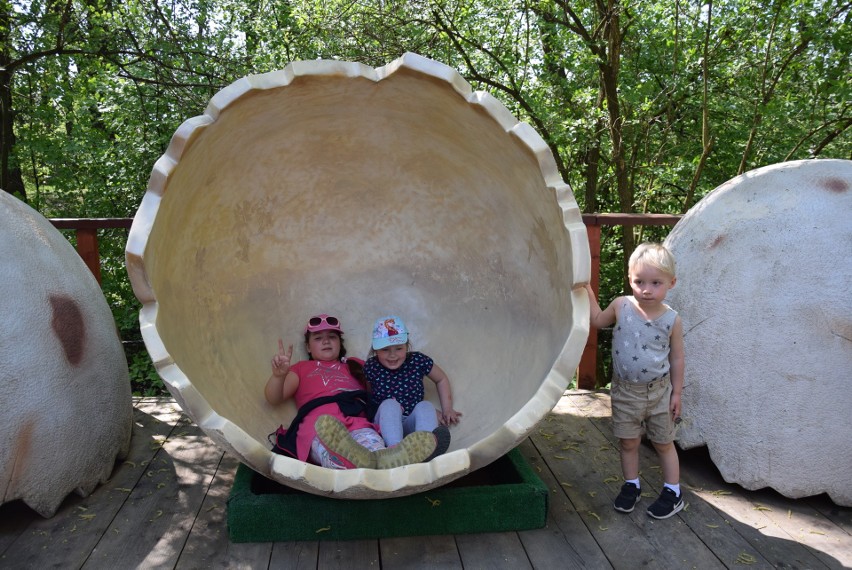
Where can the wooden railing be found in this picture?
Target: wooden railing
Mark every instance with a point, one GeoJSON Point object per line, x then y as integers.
{"type": "Point", "coordinates": [87, 237]}
{"type": "Point", "coordinates": [87, 247]}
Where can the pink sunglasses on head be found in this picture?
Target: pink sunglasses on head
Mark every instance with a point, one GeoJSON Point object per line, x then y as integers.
{"type": "Point", "coordinates": [323, 323]}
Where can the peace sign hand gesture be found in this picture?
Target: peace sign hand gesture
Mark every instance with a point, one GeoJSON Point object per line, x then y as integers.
{"type": "Point", "coordinates": [281, 361]}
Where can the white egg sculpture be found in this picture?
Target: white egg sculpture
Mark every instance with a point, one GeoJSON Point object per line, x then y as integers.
{"type": "Point", "coordinates": [65, 404]}
{"type": "Point", "coordinates": [765, 292]}
{"type": "Point", "coordinates": [333, 187]}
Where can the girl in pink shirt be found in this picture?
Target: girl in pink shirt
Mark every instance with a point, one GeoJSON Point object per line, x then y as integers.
{"type": "Point", "coordinates": [331, 428]}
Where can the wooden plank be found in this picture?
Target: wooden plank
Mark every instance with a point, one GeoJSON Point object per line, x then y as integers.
{"type": "Point", "coordinates": [15, 518]}
{"type": "Point", "coordinates": [721, 529]}
{"type": "Point", "coordinates": [784, 531]}
{"type": "Point", "coordinates": [631, 219]}
{"type": "Point", "coordinates": [87, 248]}
{"type": "Point", "coordinates": [91, 223]}
{"type": "Point", "coordinates": [825, 542]}
{"type": "Point", "coordinates": [840, 516]}
{"type": "Point", "coordinates": [587, 370]}
{"type": "Point", "coordinates": [791, 519]}
{"type": "Point", "coordinates": [162, 409]}
{"type": "Point", "coordinates": [67, 539]}
{"type": "Point", "coordinates": [348, 554]}
{"type": "Point", "coordinates": [294, 555]}
{"type": "Point", "coordinates": [419, 552]}
{"type": "Point", "coordinates": [565, 542]}
{"type": "Point", "coordinates": [493, 550]}
{"type": "Point", "coordinates": [580, 455]}
{"type": "Point", "coordinates": [723, 541]}
{"type": "Point", "coordinates": [581, 466]}
{"type": "Point", "coordinates": [152, 527]}
{"type": "Point", "coordinates": [582, 529]}
{"type": "Point", "coordinates": [208, 545]}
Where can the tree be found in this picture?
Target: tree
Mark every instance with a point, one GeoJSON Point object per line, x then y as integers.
{"type": "Point", "coordinates": [646, 106]}
{"type": "Point", "coordinates": [66, 63]}
{"type": "Point", "coordinates": [91, 93]}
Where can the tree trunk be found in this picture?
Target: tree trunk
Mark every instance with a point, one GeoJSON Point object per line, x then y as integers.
{"type": "Point", "coordinates": [609, 71]}
{"type": "Point", "coordinates": [10, 175]}
{"type": "Point", "coordinates": [706, 136]}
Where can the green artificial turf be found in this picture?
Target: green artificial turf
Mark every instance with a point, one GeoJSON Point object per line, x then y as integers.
{"type": "Point", "coordinates": [505, 495]}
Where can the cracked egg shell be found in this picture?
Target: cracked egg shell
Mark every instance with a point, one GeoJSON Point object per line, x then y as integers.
{"type": "Point", "coordinates": [333, 187]}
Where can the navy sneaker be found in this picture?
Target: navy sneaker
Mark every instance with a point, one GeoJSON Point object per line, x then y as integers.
{"type": "Point", "coordinates": [627, 498]}
{"type": "Point", "coordinates": [442, 441]}
{"type": "Point", "coordinates": [666, 505]}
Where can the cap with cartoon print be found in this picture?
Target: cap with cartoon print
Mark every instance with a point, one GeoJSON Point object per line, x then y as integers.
{"type": "Point", "coordinates": [389, 331]}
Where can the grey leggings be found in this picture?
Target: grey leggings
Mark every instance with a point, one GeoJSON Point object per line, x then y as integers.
{"type": "Point", "coordinates": [394, 425]}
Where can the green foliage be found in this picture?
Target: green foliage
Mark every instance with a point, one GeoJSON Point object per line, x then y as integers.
{"type": "Point", "coordinates": [144, 380]}
{"type": "Point", "coordinates": [93, 92]}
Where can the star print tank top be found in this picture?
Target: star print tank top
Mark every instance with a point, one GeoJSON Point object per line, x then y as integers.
{"type": "Point", "coordinates": [640, 348]}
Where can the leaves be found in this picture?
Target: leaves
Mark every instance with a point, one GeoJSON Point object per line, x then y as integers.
{"type": "Point", "coordinates": [745, 558]}
{"type": "Point", "coordinates": [96, 94]}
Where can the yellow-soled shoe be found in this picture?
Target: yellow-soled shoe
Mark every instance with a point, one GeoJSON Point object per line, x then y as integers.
{"type": "Point", "coordinates": [340, 444]}
{"type": "Point", "coordinates": [416, 447]}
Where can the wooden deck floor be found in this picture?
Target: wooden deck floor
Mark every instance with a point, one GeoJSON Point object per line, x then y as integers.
{"type": "Point", "coordinates": [165, 507]}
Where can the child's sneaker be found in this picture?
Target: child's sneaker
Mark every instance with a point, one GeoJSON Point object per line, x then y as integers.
{"type": "Point", "coordinates": [442, 441]}
{"type": "Point", "coordinates": [416, 447]}
{"type": "Point", "coordinates": [340, 444]}
{"type": "Point", "coordinates": [627, 498]}
{"type": "Point", "coordinates": [666, 505]}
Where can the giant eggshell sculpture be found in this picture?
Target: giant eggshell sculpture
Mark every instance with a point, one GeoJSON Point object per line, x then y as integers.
{"type": "Point", "coordinates": [765, 292]}
{"type": "Point", "coordinates": [335, 187]}
{"type": "Point", "coordinates": [65, 405]}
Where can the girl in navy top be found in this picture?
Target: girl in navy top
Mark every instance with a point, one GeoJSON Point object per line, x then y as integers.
{"type": "Point", "coordinates": [395, 376]}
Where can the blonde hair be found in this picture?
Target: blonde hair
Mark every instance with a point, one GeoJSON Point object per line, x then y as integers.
{"type": "Point", "coordinates": [653, 255]}
{"type": "Point", "coordinates": [373, 351]}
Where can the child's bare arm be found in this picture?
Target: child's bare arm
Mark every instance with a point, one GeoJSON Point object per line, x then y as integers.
{"type": "Point", "coordinates": [600, 318]}
{"type": "Point", "coordinates": [677, 365]}
{"type": "Point", "coordinates": [282, 384]}
{"type": "Point", "coordinates": [449, 416]}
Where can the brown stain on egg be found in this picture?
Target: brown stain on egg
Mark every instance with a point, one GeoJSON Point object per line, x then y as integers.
{"type": "Point", "coordinates": [23, 447]}
{"type": "Point", "coordinates": [715, 243]}
{"type": "Point", "coordinates": [836, 185]}
{"type": "Point", "coordinates": [69, 327]}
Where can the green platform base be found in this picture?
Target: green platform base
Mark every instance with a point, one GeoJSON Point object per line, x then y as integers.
{"type": "Point", "coordinates": [506, 495]}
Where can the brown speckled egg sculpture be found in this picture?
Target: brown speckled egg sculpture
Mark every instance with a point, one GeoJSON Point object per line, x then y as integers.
{"type": "Point", "coordinates": [65, 405]}
{"type": "Point", "coordinates": [765, 292]}
{"type": "Point", "coordinates": [333, 187]}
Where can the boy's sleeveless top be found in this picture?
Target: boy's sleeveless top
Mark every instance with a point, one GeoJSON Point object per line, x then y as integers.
{"type": "Point", "coordinates": [405, 384]}
{"type": "Point", "coordinates": [640, 348]}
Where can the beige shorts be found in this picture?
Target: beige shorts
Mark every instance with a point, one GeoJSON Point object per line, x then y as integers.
{"type": "Point", "coordinates": [642, 409]}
